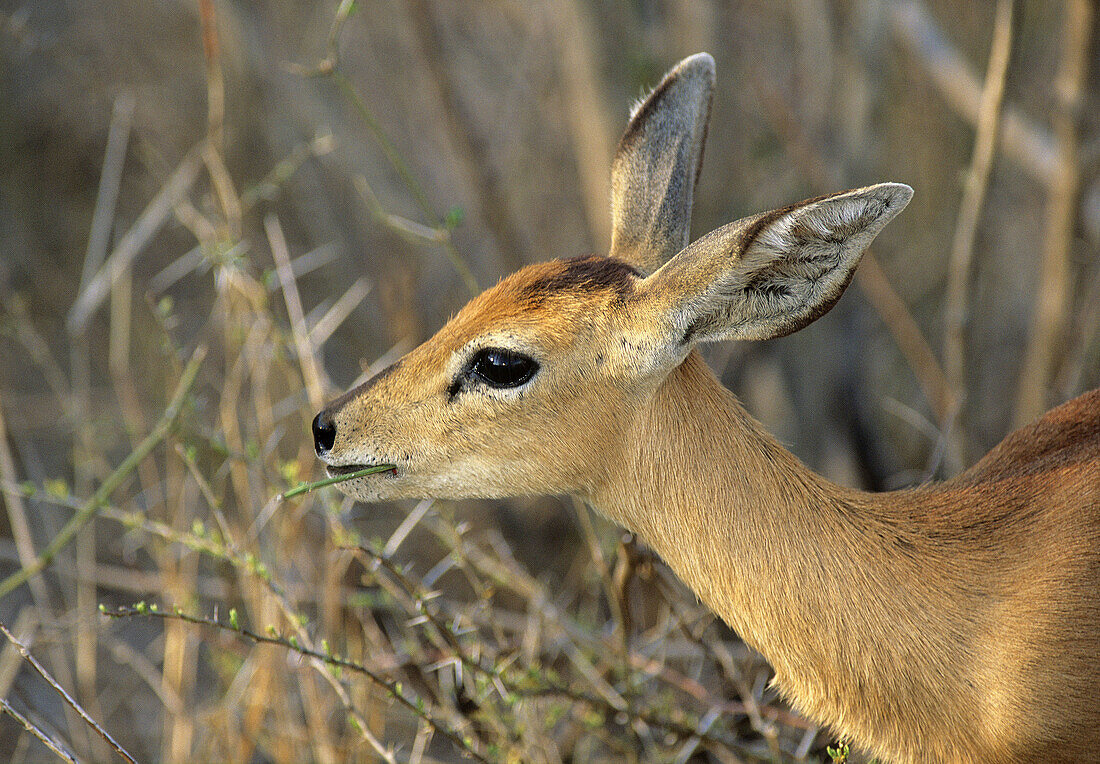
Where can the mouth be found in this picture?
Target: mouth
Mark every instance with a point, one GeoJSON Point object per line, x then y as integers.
{"type": "Point", "coordinates": [342, 470]}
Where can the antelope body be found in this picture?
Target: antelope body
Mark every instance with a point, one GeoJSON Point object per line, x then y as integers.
{"type": "Point", "coordinates": [957, 622]}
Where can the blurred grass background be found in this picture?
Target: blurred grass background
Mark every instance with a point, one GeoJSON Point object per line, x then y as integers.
{"type": "Point", "coordinates": [288, 196]}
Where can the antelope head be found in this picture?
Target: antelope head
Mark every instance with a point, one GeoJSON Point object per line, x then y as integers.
{"type": "Point", "coordinates": [530, 388]}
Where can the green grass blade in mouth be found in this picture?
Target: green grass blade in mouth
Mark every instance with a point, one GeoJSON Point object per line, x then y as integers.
{"type": "Point", "coordinates": [307, 487]}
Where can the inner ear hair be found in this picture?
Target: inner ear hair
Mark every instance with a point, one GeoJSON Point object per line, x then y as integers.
{"type": "Point", "coordinates": [773, 274]}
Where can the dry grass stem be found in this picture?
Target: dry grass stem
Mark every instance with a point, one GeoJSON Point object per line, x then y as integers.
{"type": "Point", "coordinates": [470, 148]}
{"type": "Point", "coordinates": [118, 138]}
{"type": "Point", "coordinates": [17, 515]}
{"type": "Point", "coordinates": [338, 313]}
{"type": "Point", "coordinates": [133, 241]}
{"type": "Point", "coordinates": [870, 276]}
{"type": "Point", "coordinates": [311, 373]}
{"type": "Point", "coordinates": [586, 111]}
{"type": "Point", "coordinates": [215, 80]}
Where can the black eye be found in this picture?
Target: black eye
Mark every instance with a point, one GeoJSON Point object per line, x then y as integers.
{"type": "Point", "coordinates": [502, 368]}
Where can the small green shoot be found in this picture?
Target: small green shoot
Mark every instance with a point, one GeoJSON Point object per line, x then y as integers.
{"type": "Point", "coordinates": [307, 487]}
{"type": "Point", "coordinates": [839, 753]}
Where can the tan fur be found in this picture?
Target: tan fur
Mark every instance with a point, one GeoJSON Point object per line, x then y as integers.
{"type": "Point", "coordinates": [958, 622]}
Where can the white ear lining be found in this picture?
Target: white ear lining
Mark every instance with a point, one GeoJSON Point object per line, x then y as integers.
{"type": "Point", "coordinates": [771, 275]}
{"type": "Point", "coordinates": [839, 222]}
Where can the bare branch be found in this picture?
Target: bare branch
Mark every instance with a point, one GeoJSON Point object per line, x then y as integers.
{"type": "Point", "coordinates": [394, 689]}
{"type": "Point", "coordinates": [65, 695]}
{"type": "Point", "coordinates": [966, 226]}
{"type": "Point", "coordinates": [42, 736]}
{"type": "Point", "coordinates": [1048, 329]}
{"type": "Point", "coordinates": [1024, 141]}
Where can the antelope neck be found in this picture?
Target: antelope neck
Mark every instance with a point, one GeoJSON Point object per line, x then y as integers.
{"type": "Point", "coordinates": [815, 576]}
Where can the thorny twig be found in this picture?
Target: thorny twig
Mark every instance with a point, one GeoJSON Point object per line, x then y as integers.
{"type": "Point", "coordinates": [394, 689]}
{"type": "Point", "coordinates": [546, 685]}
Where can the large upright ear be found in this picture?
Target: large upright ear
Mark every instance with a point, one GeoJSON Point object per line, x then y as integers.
{"type": "Point", "coordinates": [655, 167]}
{"type": "Point", "coordinates": [771, 274]}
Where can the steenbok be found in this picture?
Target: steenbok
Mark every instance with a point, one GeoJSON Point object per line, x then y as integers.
{"type": "Point", "coordinates": [957, 622]}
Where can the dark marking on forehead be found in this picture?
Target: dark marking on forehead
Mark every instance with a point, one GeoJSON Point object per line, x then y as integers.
{"type": "Point", "coordinates": [581, 275]}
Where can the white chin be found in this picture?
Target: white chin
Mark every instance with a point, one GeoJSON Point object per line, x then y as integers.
{"type": "Point", "coordinates": [362, 489]}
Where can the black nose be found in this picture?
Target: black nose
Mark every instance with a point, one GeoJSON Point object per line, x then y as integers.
{"type": "Point", "coordinates": [324, 433]}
